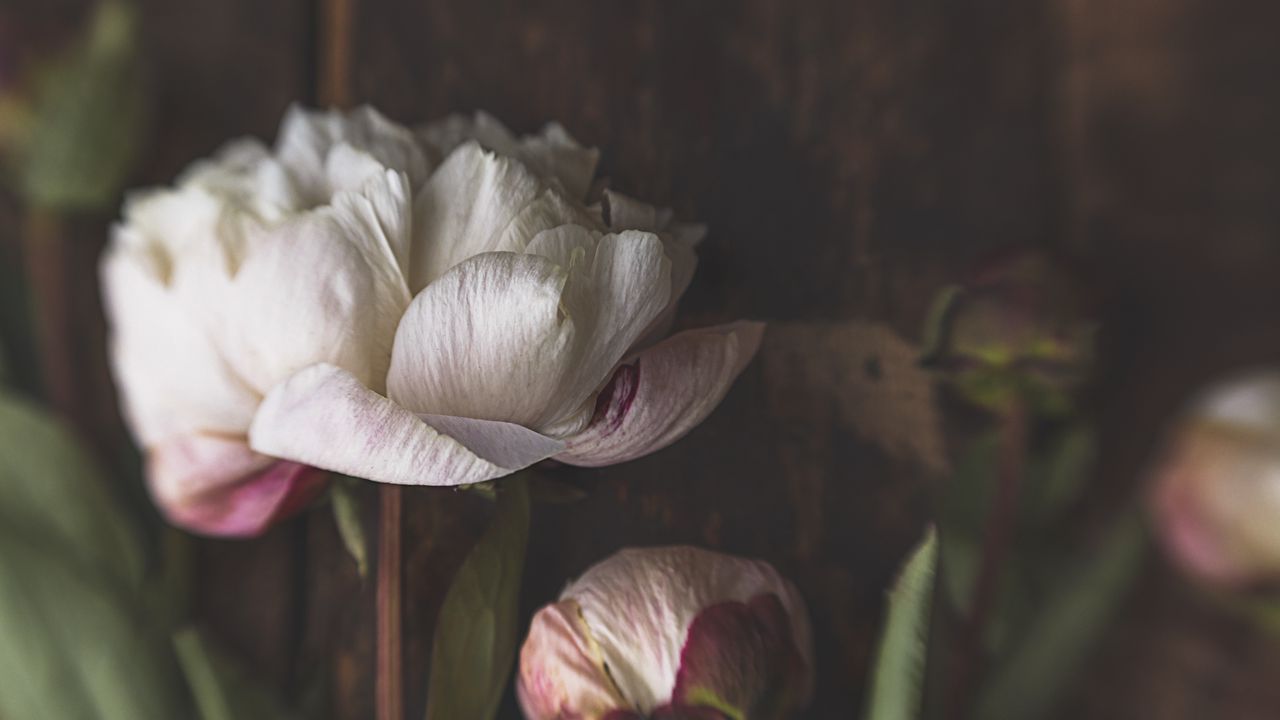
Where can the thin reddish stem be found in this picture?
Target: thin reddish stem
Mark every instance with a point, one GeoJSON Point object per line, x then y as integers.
{"type": "Point", "coordinates": [390, 669]}
{"type": "Point", "coordinates": [995, 551]}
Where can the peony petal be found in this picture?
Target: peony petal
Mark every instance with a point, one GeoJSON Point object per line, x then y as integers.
{"type": "Point", "coordinates": [173, 381]}
{"type": "Point", "coordinates": [324, 287]}
{"type": "Point", "coordinates": [562, 673]}
{"type": "Point", "coordinates": [323, 416]}
{"type": "Point", "coordinates": [548, 211]}
{"type": "Point", "coordinates": [245, 174]}
{"type": "Point", "coordinates": [640, 603]}
{"type": "Point", "coordinates": [553, 154]}
{"type": "Point", "coordinates": [487, 340]}
{"type": "Point", "coordinates": [308, 137]}
{"type": "Point", "coordinates": [528, 339]}
{"type": "Point", "coordinates": [742, 656]}
{"type": "Point", "coordinates": [680, 241]}
{"type": "Point", "coordinates": [464, 209]}
{"type": "Point", "coordinates": [217, 486]}
{"type": "Point", "coordinates": [617, 285]}
{"type": "Point", "coordinates": [663, 394]}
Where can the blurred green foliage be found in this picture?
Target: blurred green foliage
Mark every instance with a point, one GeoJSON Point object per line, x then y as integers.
{"type": "Point", "coordinates": [74, 610]}
{"type": "Point", "coordinates": [74, 134]}
{"type": "Point", "coordinates": [85, 616]}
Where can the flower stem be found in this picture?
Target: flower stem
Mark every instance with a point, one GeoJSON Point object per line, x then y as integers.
{"type": "Point", "coordinates": [995, 550]}
{"type": "Point", "coordinates": [335, 49]}
{"type": "Point", "coordinates": [390, 671]}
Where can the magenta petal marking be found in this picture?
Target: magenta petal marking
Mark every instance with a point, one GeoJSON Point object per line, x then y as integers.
{"type": "Point", "coordinates": [614, 402]}
{"type": "Point", "coordinates": [742, 656]}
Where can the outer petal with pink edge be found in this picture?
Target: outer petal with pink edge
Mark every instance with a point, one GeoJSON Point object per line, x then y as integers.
{"type": "Point", "coordinates": [218, 486]}
{"type": "Point", "coordinates": [562, 672]}
{"type": "Point", "coordinates": [323, 416]}
{"type": "Point", "coordinates": [663, 393]}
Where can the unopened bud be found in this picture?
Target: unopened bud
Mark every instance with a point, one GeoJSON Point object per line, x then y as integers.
{"type": "Point", "coordinates": [1017, 332]}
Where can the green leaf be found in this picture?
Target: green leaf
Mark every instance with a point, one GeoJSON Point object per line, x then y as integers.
{"type": "Point", "coordinates": [87, 118]}
{"type": "Point", "coordinates": [75, 646]}
{"type": "Point", "coordinates": [1026, 683]}
{"type": "Point", "coordinates": [348, 514]}
{"type": "Point", "coordinates": [49, 489]}
{"type": "Point", "coordinates": [898, 676]}
{"type": "Point", "coordinates": [222, 691]}
{"type": "Point", "coordinates": [476, 634]}
{"type": "Point", "coordinates": [80, 635]}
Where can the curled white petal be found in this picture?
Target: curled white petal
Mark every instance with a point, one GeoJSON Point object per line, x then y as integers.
{"type": "Point", "coordinates": [562, 672]}
{"type": "Point", "coordinates": [528, 338]}
{"type": "Point", "coordinates": [325, 417]}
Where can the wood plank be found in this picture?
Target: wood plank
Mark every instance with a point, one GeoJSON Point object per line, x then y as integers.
{"type": "Point", "coordinates": [848, 157]}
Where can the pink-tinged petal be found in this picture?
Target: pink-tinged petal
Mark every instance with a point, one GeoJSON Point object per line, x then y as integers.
{"type": "Point", "coordinates": [1189, 537]}
{"type": "Point", "coordinates": [218, 486]}
{"type": "Point", "coordinates": [742, 657]}
{"type": "Point", "coordinates": [562, 673]}
{"type": "Point", "coordinates": [663, 393]}
{"type": "Point", "coordinates": [640, 603]}
{"type": "Point", "coordinates": [323, 416]}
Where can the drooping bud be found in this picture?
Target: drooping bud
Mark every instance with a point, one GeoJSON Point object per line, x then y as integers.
{"type": "Point", "coordinates": [669, 633]}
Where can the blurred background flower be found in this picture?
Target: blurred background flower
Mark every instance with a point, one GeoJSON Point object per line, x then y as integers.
{"type": "Point", "coordinates": [1216, 486]}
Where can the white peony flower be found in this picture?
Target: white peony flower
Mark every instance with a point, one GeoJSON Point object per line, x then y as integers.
{"type": "Point", "coordinates": [529, 336]}
{"type": "Point", "coordinates": [673, 632]}
{"type": "Point", "coordinates": [338, 302]}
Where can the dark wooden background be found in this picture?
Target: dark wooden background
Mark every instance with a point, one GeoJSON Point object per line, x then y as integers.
{"type": "Point", "coordinates": [850, 156]}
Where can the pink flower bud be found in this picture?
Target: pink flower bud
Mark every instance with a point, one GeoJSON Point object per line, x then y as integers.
{"type": "Point", "coordinates": [670, 633]}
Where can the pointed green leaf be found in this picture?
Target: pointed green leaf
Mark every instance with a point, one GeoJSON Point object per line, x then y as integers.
{"type": "Point", "coordinates": [476, 633]}
{"type": "Point", "coordinates": [898, 677]}
{"type": "Point", "coordinates": [349, 516]}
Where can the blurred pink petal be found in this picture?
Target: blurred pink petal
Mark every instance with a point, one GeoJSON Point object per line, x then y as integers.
{"type": "Point", "coordinates": [664, 393]}
{"type": "Point", "coordinates": [218, 486]}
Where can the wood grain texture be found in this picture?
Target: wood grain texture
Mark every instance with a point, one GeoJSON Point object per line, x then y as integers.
{"type": "Point", "coordinates": [850, 156]}
{"type": "Point", "coordinates": [847, 156]}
